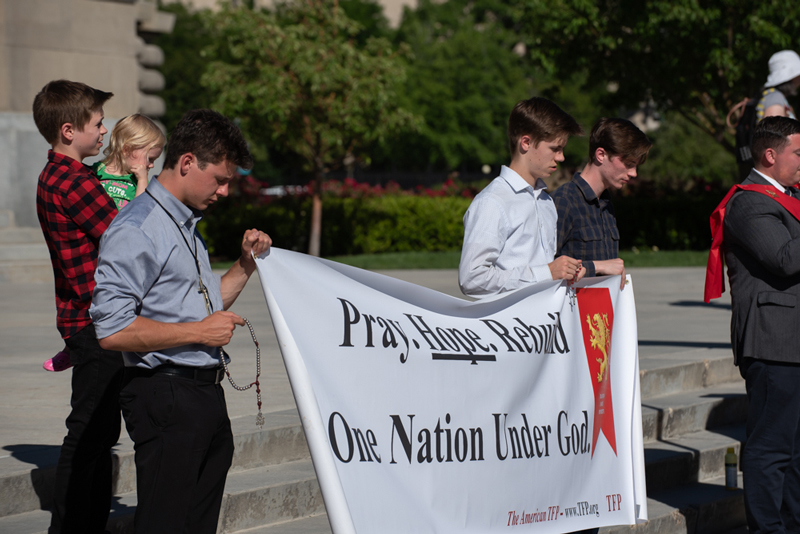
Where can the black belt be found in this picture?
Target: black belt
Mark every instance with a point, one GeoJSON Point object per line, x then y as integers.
{"type": "Point", "coordinates": [211, 376]}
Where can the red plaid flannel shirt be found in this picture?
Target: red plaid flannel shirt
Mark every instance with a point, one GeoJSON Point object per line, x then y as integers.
{"type": "Point", "coordinates": [74, 210]}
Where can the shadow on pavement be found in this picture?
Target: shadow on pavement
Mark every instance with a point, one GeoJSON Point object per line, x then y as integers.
{"type": "Point", "coordinates": [44, 457]}
{"type": "Point", "coordinates": [700, 304]}
{"type": "Point", "coordinates": [691, 344]}
{"type": "Point", "coordinates": [38, 455]}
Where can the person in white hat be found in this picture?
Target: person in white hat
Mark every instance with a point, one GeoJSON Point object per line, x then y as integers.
{"type": "Point", "coordinates": [783, 79]}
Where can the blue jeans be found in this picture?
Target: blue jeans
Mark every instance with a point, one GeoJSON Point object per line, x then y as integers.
{"type": "Point", "coordinates": [82, 493]}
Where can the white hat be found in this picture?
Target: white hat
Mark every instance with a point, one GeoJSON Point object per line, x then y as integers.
{"type": "Point", "coordinates": [783, 67]}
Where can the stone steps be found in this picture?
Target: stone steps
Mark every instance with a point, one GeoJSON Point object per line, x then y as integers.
{"type": "Point", "coordinates": [249, 502]}
{"type": "Point", "coordinates": [21, 235]}
{"type": "Point", "coordinates": [6, 219]}
{"type": "Point", "coordinates": [706, 508]}
{"type": "Point", "coordinates": [316, 524]}
{"type": "Point", "coordinates": [25, 272]}
{"type": "Point", "coordinates": [23, 253]}
{"type": "Point", "coordinates": [37, 522]}
{"type": "Point", "coordinates": [692, 411]}
{"type": "Point", "coordinates": [694, 406]}
{"type": "Point", "coordinates": [253, 498]}
{"type": "Point", "coordinates": [272, 481]}
{"type": "Point", "coordinates": [692, 370]}
{"type": "Point", "coordinates": [272, 489]}
{"type": "Point", "coordinates": [23, 489]}
{"type": "Point", "coordinates": [690, 458]}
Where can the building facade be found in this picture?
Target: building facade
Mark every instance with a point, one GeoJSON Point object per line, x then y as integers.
{"type": "Point", "coordinates": [97, 42]}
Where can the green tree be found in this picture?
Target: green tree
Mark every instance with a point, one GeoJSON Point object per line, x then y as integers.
{"type": "Point", "coordinates": [694, 57]}
{"type": "Point", "coordinates": [683, 158]}
{"type": "Point", "coordinates": [583, 100]}
{"type": "Point", "coordinates": [369, 15]}
{"type": "Point", "coordinates": [469, 67]}
{"type": "Point", "coordinates": [297, 77]}
{"type": "Point", "coordinates": [464, 79]}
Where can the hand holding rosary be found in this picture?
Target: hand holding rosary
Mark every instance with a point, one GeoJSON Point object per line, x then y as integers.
{"type": "Point", "coordinates": [210, 309]}
{"type": "Point", "coordinates": [256, 383]}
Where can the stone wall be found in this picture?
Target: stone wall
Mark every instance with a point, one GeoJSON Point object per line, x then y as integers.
{"type": "Point", "coordinates": [97, 42]}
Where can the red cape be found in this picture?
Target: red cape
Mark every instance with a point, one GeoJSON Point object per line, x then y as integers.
{"type": "Point", "coordinates": [715, 276]}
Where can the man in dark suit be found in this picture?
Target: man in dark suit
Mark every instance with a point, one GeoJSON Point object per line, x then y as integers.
{"type": "Point", "coordinates": [761, 240]}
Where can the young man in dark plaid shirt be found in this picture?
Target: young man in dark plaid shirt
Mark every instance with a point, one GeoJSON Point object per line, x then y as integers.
{"type": "Point", "coordinates": [587, 228]}
{"type": "Point", "coordinates": [74, 211]}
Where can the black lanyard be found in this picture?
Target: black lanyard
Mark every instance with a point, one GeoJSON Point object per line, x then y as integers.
{"type": "Point", "coordinates": [193, 251]}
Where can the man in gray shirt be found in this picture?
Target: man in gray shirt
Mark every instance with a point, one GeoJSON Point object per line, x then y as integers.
{"type": "Point", "coordinates": [157, 300]}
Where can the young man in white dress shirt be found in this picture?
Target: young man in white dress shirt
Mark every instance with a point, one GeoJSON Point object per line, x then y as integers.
{"type": "Point", "coordinates": [510, 227]}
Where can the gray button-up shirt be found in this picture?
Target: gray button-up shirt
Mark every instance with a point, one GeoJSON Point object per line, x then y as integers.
{"type": "Point", "coordinates": [145, 268]}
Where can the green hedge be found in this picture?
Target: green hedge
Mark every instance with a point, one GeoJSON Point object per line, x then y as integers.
{"type": "Point", "coordinates": [669, 222]}
{"type": "Point", "coordinates": [395, 223]}
{"type": "Point", "coordinates": [400, 223]}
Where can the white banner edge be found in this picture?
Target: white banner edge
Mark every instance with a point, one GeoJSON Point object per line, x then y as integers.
{"type": "Point", "coordinates": [321, 457]}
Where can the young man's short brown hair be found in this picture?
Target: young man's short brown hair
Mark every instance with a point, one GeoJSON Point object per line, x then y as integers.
{"type": "Point", "coordinates": [619, 137]}
{"type": "Point", "coordinates": [62, 101]}
{"type": "Point", "coordinates": [772, 132]}
{"type": "Point", "coordinates": [541, 120]}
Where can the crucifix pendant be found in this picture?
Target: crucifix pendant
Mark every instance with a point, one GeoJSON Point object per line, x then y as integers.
{"type": "Point", "coordinates": [571, 291]}
{"type": "Point", "coordinates": [204, 292]}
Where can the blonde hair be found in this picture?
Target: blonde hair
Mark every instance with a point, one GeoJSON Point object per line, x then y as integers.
{"type": "Point", "coordinates": [134, 132]}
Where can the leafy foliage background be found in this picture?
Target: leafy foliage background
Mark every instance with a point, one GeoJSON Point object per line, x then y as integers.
{"type": "Point", "coordinates": [465, 64]}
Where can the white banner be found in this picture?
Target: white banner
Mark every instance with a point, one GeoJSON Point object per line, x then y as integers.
{"type": "Point", "coordinates": [428, 413]}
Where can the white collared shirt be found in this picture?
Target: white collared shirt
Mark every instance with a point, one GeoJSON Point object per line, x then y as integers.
{"type": "Point", "coordinates": [509, 237]}
{"type": "Point", "coordinates": [774, 182]}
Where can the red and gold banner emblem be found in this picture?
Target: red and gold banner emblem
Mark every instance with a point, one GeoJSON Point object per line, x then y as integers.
{"type": "Point", "coordinates": [597, 324]}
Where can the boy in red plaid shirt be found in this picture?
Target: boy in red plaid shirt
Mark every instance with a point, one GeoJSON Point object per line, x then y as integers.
{"type": "Point", "coordinates": [74, 211]}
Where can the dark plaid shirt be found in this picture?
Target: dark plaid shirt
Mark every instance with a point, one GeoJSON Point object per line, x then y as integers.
{"type": "Point", "coordinates": [74, 211]}
{"type": "Point", "coordinates": [587, 228]}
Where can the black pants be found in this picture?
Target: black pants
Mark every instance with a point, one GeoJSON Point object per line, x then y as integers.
{"type": "Point", "coordinates": [771, 456]}
{"type": "Point", "coordinates": [82, 493]}
{"type": "Point", "coordinates": [184, 448]}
